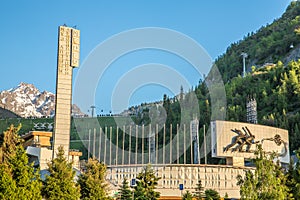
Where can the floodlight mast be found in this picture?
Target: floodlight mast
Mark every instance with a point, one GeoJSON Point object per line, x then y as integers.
{"type": "Point", "coordinates": [93, 110]}
{"type": "Point", "coordinates": [245, 55]}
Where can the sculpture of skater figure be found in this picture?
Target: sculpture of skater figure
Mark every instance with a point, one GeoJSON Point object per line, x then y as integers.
{"type": "Point", "coordinates": [242, 139]}
{"type": "Point", "coordinates": [239, 139]}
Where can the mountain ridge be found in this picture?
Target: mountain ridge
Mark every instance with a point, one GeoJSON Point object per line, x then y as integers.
{"type": "Point", "coordinates": [7, 114]}
{"type": "Point", "coordinates": [26, 101]}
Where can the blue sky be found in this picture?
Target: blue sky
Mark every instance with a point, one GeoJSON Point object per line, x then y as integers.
{"type": "Point", "coordinates": [29, 36]}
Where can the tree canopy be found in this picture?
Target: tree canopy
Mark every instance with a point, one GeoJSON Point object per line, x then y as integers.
{"type": "Point", "coordinates": [199, 191]}
{"type": "Point", "coordinates": [187, 195]}
{"type": "Point", "coordinates": [212, 194]}
{"type": "Point", "coordinates": [60, 184]}
{"type": "Point", "coordinates": [92, 181]}
{"type": "Point", "coordinates": [18, 179]}
{"type": "Point", "coordinates": [124, 191]}
{"type": "Point", "coordinates": [267, 182]}
{"type": "Point", "coordinates": [9, 141]}
{"type": "Point", "coordinates": [146, 182]}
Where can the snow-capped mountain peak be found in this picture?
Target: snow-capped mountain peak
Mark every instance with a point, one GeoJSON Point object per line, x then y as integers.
{"type": "Point", "coordinates": [27, 101]}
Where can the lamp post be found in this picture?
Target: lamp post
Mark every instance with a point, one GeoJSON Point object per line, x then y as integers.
{"type": "Point", "coordinates": [244, 55]}
{"type": "Point", "coordinates": [93, 110]}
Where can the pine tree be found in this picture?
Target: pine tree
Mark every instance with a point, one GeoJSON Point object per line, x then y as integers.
{"type": "Point", "coordinates": [124, 191]}
{"type": "Point", "coordinates": [267, 182]}
{"type": "Point", "coordinates": [60, 183]}
{"type": "Point", "coordinates": [291, 182]}
{"type": "Point", "coordinates": [226, 196]}
{"type": "Point", "coordinates": [146, 185]}
{"type": "Point", "coordinates": [27, 181]}
{"type": "Point", "coordinates": [92, 182]}
{"type": "Point", "coordinates": [7, 184]}
{"type": "Point", "coordinates": [199, 191]}
{"type": "Point", "coordinates": [18, 179]}
{"type": "Point", "coordinates": [181, 94]}
{"type": "Point", "coordinates": [187, 196]}
{"type": "Point", "coordinates": [293, 177]}
{"type": "Point", "coordinates": [212, 194]}
{"type": "Point", "coordinates": [9, 140]}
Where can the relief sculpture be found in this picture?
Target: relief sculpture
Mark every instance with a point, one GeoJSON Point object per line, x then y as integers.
{"type": "Point", "coordinates": [244, 139]}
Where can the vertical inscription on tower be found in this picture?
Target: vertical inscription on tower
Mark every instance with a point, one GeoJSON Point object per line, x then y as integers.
{"type": "Point", "coordinates": [64, 50]}
{"type": "Point", "coordinates": [67, 58]}
{"type": "Point", "coordinates": [75, 48]}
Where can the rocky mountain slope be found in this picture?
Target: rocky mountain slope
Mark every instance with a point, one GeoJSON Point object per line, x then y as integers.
{"type": "Point", "coordinates": [7, 114]}
{"type": "Point", "coordinates": [27, 101]}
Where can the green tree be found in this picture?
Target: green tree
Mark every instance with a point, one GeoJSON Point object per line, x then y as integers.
{"type": "Point", "coordinates": [92, 182]}
{"type": "Point", "coordinates": [296, 190]}
{"type": "Point", "coordinates": [18, 179]}
{"type": "Point", "coordinates": [212, 194]}
{"type": "Point", "coordinates": [266, 182]}
{"type": "Point", "coordinates": [291, 182]}
{"type": "Point", "coordinates": [124, 191]}
{"type": "Point", "coordinates": [293, 178]}
{"type": "Point", "coordinates": [146, 182]}
{"type": "Point", "coordinates": [26, 179]}
{"type": "Point", "coordinates": [9, 140]}
{"type": "Point", "coordinates": [60, 183]}
{"type": "Point", "coordinates": [226, 196]}
{"type": "Point", "coordinates": [187, 196]}
{"type": "Point", "coordinates": [199, 191]}
{"type": "Point", "coordinates": [7, 184]}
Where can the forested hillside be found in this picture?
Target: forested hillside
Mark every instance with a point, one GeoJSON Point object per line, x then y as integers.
{"type": "Point", "coordinates": [269, 44]}
{"type": "Point", "coordinates": [277, 92]}
{"type": "Point", "coordinates": [275, 87]}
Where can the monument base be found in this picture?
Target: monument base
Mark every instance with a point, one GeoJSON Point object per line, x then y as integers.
{"type": "Point", "coordinates": [235, 161]}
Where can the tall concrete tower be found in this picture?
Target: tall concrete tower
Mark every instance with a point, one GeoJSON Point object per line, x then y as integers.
{"type": "Point", "coordinates": [67, 58]}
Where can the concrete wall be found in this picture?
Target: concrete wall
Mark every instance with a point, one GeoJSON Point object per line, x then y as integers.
{"type": "Point", "coordinates": [221, 178]}
{"type": "Point", "coordinates": [43, 154]}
